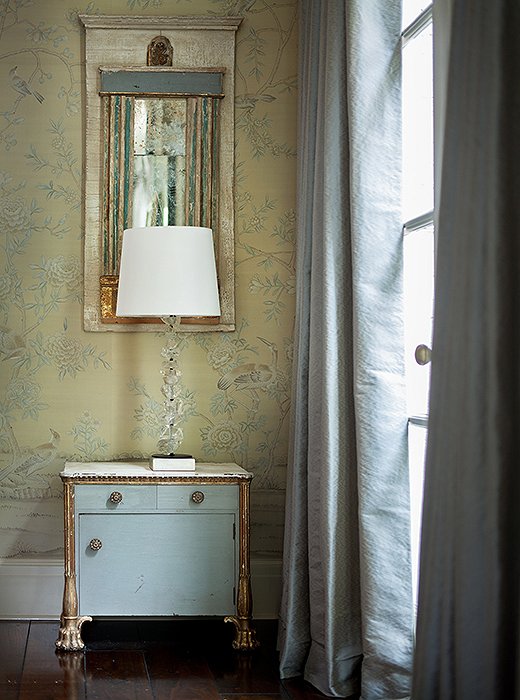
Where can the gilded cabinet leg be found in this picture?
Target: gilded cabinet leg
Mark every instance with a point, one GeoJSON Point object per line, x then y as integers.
{"type": "Point", "coordinates": [245, 635]}
{"type": "Point", "coordinates": [69, 636]}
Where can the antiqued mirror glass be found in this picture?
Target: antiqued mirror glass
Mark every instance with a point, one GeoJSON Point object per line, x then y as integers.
{"type": "Point", "coordinates": [161, 135]}
{"type": "Point", "coordinates": [163, 153]}
{"type": "Point", "coordinates": [159, 178]}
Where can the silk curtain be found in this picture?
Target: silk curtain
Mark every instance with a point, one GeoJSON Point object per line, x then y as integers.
{"type": "Point", "coordinates": [346, 620]}
{"type": "Point", "coordinates": [468, 630]}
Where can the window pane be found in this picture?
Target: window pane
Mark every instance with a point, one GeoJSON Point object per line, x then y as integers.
{"type": "Point", "coordinates": [418, 314]}
{"type": "Point", "coordinates": [412, 9]}
{"type": "Point", "coordinates": [417, 436]}
{"type": "Point", "coordinates": [418, 125]}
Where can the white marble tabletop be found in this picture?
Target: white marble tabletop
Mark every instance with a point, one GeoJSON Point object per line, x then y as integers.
{"type": "Point", "coordinates": [141, 469]}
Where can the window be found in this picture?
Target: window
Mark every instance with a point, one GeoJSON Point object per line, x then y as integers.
{"type": "Point", "coordinates": [418, 232]}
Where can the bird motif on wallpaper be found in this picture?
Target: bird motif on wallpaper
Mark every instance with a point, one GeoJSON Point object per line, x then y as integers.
{"type": "Point", "coordinates": [12, 344]}
{"type": "Point", "coordinates": [251, 375]}
{"type": "Point", "coordinates": [22, 86]}
{"type": "Point", "coordinates": [27, 462]}
{"type": "Point", "coordinates": [249, 101]}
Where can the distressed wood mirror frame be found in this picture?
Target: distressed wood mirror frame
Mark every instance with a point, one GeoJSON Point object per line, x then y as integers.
{"type": "Point", "coordinates": [202, 55]}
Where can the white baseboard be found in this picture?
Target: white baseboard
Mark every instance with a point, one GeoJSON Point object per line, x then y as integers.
{"type": "Point", "coordinates": [266, 584]}
{"type": "Point", "coordinates": [32, 589]}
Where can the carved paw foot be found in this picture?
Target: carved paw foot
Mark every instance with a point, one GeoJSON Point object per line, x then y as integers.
{"type": "Point", "coordinates": [245, 636]}
{"type": "Point", "coordinates": [69, 636]}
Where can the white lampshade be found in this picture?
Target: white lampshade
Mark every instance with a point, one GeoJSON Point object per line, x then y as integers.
{"type": "Point", "coordinates": [168, 271]}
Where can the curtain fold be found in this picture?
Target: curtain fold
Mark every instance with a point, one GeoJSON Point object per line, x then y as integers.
{"type": "Point", "coordinates": [468, 630]}
{"type": "Point", "coordinates": [346, 619]}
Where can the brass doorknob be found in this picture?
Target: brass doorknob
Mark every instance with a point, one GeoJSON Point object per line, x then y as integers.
{"type": "Point", "coordinates": [116, 497]}
{"type": "Point", "coordinates": [197, 497]}
{"type": "Point", "coordinates": [423, 354]}
{"type": "Point", "coordinates": [95, 544]}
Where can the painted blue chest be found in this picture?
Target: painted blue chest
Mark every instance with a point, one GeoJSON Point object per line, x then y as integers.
{"type": "Point", "coordinates": [144, 543]}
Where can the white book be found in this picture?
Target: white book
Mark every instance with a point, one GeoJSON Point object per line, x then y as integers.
{"type": "Point", "coordinates": [164, 463]}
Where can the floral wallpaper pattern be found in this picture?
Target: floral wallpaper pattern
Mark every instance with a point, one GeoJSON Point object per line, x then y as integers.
{"type": "Point", "coordinates": [67, 394]}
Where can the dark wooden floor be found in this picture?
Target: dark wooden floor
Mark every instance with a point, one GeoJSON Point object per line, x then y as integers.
{"type": "Point", "coordinates": [125, 660]}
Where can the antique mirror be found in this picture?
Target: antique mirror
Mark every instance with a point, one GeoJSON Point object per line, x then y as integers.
{"type": "Point", "coordinates": [158, 147]}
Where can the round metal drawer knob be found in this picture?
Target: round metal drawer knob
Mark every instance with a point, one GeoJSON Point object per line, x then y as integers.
{"type": "Point", "coordinates": [95, 544]}
{"type": "Point", "coordinates": [116, 497]}
{"type": "Point", "coordinates": [197, 497]}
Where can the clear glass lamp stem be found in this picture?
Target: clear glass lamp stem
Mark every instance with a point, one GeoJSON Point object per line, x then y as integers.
{"type": "Point", "coordinates": [171, 434]}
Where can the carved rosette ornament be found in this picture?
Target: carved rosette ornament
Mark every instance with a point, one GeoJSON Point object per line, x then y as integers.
{"type": "Point", "coordinates": [160, 52]}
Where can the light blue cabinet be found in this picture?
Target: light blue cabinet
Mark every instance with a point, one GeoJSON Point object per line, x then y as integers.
{"type": "Point", "coordinates": [143, 543]}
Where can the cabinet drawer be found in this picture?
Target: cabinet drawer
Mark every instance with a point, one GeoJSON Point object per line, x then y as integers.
{"type": "Point", "coordinates": [197, 497]}
{"type": "Point", "coordinates": [118, 497]}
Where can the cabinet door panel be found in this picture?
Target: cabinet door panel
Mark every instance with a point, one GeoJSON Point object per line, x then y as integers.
{"type": "Point", "coordinates": [157, 564]}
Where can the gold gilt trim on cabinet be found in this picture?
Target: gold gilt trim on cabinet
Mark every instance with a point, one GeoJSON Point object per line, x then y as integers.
{"type": "Point", "coordinates": [92, 479]}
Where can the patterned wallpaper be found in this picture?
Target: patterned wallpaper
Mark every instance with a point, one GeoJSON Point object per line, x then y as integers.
{"type": "Point", "coordinates": [67, 394]}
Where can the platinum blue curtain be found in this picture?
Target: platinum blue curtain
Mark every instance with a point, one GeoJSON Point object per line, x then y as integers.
{"type": "Point", "coordinates": [468, 629]}
{"type": "Point", "coordinates": [346, 620]}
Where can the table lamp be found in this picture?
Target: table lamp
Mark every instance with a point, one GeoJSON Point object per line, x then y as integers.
{"type": "Point", "coordinates": [168, 272]}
